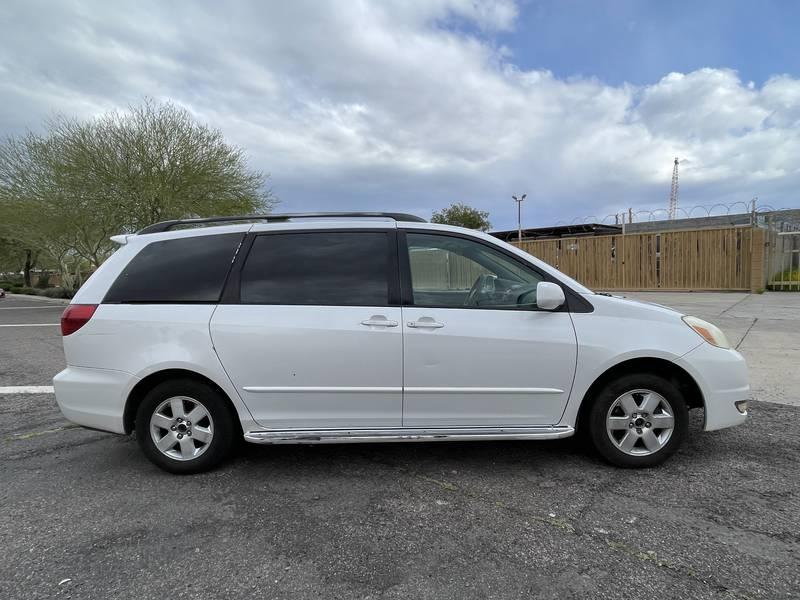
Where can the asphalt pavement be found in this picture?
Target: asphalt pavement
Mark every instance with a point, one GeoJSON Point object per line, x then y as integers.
{"type": "Point", "coordinates": [84, 515]}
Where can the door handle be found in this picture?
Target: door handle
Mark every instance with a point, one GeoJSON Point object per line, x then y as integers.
{"type": "Point", "coordinates": [425, 323]}
{"type": "Point", "coordinates": [379, 321]}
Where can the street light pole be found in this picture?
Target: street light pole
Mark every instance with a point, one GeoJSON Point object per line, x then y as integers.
{"type": "Point", "coordinates": [519, 214]}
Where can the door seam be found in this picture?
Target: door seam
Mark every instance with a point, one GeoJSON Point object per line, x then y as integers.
{"type": "Point", "coordinates": [224, 370]}
{"type": "Point", "coordinates": [403, 368]}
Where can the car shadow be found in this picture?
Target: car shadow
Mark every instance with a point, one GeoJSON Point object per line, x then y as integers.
{"type": "Point", "coordinates": [446, 454]}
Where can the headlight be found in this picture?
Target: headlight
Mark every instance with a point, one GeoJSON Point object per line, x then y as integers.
{"type": "Point", "coordinates": [710, 333]}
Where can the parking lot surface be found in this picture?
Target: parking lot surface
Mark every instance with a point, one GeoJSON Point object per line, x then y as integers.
{"type": "Point", "coordinates": [84, 515]}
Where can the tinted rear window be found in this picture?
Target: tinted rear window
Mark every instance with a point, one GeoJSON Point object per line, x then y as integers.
{"type": "Point", "coordinates": [189, 269]}
{"type": "Point", "coordinates": [320, 268]}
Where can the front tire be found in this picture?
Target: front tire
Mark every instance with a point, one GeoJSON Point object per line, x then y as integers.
{"type": "Point", "coordinates": [638, 420]}
{"type": "Point", "coordinates": [184, 426]}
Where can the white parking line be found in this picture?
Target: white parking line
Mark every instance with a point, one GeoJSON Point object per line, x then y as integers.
{"type": "Point", "coordinates": [30, 307]}
{"type": "Point", "coordinates": [31, 325]}
{"type": "Point", "coordinates": [27, 389]}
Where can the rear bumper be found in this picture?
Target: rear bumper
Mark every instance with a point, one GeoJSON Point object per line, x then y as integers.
{"type": "Point", "coordinates": [93, 397]}
{"type": "Point", "coordinates": [722, 377]}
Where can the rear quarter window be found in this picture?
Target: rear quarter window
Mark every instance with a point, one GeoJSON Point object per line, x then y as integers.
{"type": "Point", "coordinates": [187, 270]}
{"type": "Point", "coordinates": [318, 268]}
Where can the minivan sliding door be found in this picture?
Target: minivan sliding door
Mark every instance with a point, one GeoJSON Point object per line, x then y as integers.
{"type": "Point", "coordinates": [314, 341]}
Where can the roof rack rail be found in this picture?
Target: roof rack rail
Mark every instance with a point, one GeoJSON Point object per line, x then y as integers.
{"type": "Point", "coordinates": [275, 218]}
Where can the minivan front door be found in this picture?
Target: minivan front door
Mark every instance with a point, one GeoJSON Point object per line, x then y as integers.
{"type": "Point", "coordinates": [314, 341]}
{"type": "Point", "coordinates": [477, 351]}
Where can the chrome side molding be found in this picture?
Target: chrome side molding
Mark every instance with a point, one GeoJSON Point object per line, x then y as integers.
{"type": "Point", "coordinates": [405, 434]}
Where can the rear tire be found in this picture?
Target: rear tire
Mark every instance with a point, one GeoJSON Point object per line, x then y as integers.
{"type": "Point", "coordinates": [184, 426]}
{"type": "Point", "coordinates": [638, 420]}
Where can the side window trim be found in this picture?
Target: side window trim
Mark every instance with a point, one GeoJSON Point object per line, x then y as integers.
{"type": "Point", "coordinates": [407, 291]}
{"type": "Point", "coordinates": [233, 286]}
{"type": "Point", "coordinates": [232, 289]}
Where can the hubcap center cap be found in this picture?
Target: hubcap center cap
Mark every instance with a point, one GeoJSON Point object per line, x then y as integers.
{"type": "Point", "coordinates": [639, 422]}
{"type": "Point", "coordinates": [182, 428]}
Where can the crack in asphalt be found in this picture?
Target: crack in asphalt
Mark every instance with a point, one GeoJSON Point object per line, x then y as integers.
{"type": "Point", "coordinates": [39, 452]}
{"type": "Point", "coordinates": [33, 434]}
{"type": "Point", "coordinates": [755, 320]}
{"type": "Point", "coordinates": [735, 304]}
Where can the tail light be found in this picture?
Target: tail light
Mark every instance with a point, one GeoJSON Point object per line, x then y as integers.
{"type": "Point", "coordinates": [75, 317]}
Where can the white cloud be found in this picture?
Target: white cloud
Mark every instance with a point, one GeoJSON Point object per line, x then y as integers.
{"type": "Point", "coordinates": [705, 104]}
{"type": "Point", "coordinates": [388, 105]}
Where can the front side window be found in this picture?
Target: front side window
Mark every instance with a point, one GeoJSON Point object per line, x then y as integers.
{"type": "Point", "coordinates": [452, 272]}
{"type": "Point", "coordinates": [318, 268]}
{"type": "Point", "coordinates": [181, 270]}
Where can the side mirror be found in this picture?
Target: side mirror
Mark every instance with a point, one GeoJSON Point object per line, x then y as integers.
{"type": "Point", "coordinates": [549, 296]}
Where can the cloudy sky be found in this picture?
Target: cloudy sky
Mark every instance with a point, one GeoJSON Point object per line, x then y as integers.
{"type": "Point", "coordinates": [413, 104]}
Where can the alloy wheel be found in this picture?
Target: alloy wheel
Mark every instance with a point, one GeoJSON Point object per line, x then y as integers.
{"type": "Point", "coordinates": [640, 422]}
{"type": "Point", "coordinates": [181, 428]}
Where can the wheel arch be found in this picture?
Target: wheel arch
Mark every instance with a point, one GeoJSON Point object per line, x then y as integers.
{"type": "Point", "coordinates": [692, 393]}
{"type": "Point", "coordinates": [146, 384]}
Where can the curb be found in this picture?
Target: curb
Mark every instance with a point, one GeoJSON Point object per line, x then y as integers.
{"type": "Point", "coordinates": [40, 298]}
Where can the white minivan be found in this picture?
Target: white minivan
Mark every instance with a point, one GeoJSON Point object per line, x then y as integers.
{"type": "Point", "coordinates": [375, 327]}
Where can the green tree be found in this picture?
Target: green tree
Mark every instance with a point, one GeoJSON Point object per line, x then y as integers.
{"type": "Point", "coordinates": [463, 216]}
{"type": "Point", "coordinates": [66, 191]}
{"type": "Point", "coordinates": [13, 258]}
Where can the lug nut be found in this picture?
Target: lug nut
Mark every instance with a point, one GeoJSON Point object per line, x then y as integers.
{"type": "Point", "coordinates": [189, 433]}
{"type": "Point", "coordinates": [180, 436]}
{"type": "Point", "coordinates": [630, 425]}
{"type": "Point", "coordinates": [638, 430]}
{"type": "Point", "coordinates": [173, 428]}
{"type": "Point", "coordinates": [188, 423]}
{"type": "Point", "coordinates": [648, 424]}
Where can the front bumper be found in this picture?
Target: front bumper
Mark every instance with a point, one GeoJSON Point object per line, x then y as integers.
{"type": "Point", "coordinates": [93, 397]}
{"type": "Point", "coordinates": [722, 377]}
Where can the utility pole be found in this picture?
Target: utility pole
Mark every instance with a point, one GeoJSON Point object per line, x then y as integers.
{"type": "Point", "coordinates": [519, 214]}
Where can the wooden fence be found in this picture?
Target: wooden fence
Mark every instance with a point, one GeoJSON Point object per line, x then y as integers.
{"type": "Point", "coordinates": [704, 259]}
